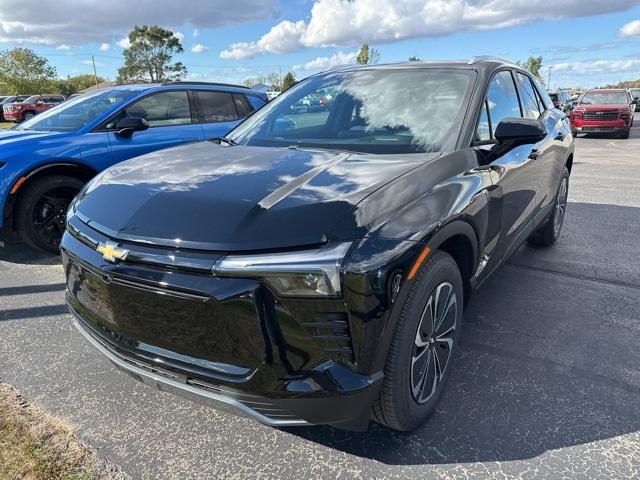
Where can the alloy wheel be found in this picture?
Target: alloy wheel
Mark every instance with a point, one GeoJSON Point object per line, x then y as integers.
{"type": "Point", "coordinates": [433, 342]}
{"type": "Point", "coordinates": [49, 214]}
{"type": "Point", "coordinates": [560, 207]}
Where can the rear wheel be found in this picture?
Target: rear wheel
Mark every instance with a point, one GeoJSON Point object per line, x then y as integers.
{"type": "Point", "coordinates": [41, 210]}
{"type": "Point", "coordinates": [424, 341]}
{"type": "Point", "coordinates": [550, 231]}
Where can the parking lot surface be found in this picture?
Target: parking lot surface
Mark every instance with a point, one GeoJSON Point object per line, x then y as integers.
{"type": "Point", "coordinates": [546, 383]}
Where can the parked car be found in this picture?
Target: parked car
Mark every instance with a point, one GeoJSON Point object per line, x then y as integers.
{"type": "Point", "coordinates": [317, 274]}
{"type": "Point", "coordinates": [603, 111]}
{"type": "Point", "coordinates": [46, 160]}
{"type": "Point", "coordinates": [10, 99]}
{"type": "Point", "coordinates": [30, 107]}
{"type": "Point", "coordinates": [635, 98]}
{"type": "Point", "coordinates": [562, 101]}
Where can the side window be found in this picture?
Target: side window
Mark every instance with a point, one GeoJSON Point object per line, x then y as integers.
{"type": "Point", "coordinates": [161, 109]}
{"type": "Point", "coordinates": [217, 106]}
{"type": "Point", "coordinates": [242, 105]}
{"type": "Point", "coordinates": [527, 96]}
{"type": "Point", "coordinates": [483, 132]}
{"type": "Point", "coordinates": [502, 98]}
{"type": "Point", "coordinates": [544, 97]}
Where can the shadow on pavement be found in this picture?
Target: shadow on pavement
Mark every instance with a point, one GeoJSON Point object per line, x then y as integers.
{"type": "Point", "coordinates": [547, 360]}
{"type": "Point", "coordinates": [14, 251]}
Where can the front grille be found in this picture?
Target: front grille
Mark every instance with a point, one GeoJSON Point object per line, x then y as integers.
{"type": "Point", "coordinates": [334, 336]}
{"type": "Point", "coordinates": [604, 116]}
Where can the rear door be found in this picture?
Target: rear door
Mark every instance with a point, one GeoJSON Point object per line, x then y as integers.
{"type": "Point", "coordinates": [220, 111]}
{"type": "Point", "coordinates": [519, 174]}
{"type": "Point", "coordinates": [171, 122]}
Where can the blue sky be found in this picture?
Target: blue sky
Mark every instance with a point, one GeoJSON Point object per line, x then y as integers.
{"type": "Point", "coordinates": [263, 36]}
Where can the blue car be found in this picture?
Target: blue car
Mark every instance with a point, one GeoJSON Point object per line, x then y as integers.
{"type": "Point", "coordinates": [46, 160]}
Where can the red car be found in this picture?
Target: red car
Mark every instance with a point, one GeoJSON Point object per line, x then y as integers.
{"type": "Point", "coordinates": [19, 111]}
{"type": "Point", "coordinates": [603, 111]}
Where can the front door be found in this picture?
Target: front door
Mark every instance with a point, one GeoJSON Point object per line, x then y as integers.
{"type": "Point", "coordinates": [170, 120]}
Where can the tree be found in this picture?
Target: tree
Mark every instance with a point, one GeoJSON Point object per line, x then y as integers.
{"type": "Point", "coordinates": [149, 58]}
{"type": "Point", "coordinates": [414, 59]}
{"type": "Point", "coordinates": [533, 65]}
{"type": "Point", "coordinates": [76, 84]}
{"type": "Point", "coordinates": [23, 71]}
{"type": "Point", "coordinates": [288, 81]}
{"type": "Point", "coordinates": [367, 55]}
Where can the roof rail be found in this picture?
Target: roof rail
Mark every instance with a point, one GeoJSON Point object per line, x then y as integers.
{"type": "Point", "coordinates": [487, 58]}
{"type": "Point", "coordinates": [215, 84]}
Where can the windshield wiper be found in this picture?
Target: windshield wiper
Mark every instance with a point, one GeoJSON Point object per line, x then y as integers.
{"type": "Point", "coordinates": [227, 140]}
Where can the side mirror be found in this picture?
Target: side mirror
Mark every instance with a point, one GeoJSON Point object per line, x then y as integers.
{"type": "Point", "coordinates": [128, 125]}
{"type": "Point", "coordinates": [520, 130]}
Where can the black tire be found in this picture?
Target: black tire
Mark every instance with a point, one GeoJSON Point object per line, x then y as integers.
{"type": "Point", "coordinates": [626, 134]}
{"type": "Point", "coordinates": [549, 232]}
{"type": "Point", "coordinates": [28, 116]}
{"type": "Point", "coordinates": [398, 405]}
{"type": "Point", "coordinates": [41, 208]}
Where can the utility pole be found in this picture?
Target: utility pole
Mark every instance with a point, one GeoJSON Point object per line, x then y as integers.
{"type": "Point", "coordinates": [95, 74]}
{"type": "Point", "coordinates": [549, 79]}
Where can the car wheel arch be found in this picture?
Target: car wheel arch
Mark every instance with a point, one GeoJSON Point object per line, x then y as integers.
{"type": "Point", "coordinates": [58, 167]}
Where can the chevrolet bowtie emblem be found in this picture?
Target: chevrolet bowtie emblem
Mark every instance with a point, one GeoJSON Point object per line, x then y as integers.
{"type": "Point", "coordinates": [111, 252]}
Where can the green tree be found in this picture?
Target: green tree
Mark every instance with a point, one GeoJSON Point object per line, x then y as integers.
{"type": "Point", "coordinates": [149, 58]}
{"type": "Point", "coordinates": [76, 84]}
{"type": "Point", "coordinates": [414, 59]}
{"type": "Point", "coordinates": [533, 65]}
{"type": "Point", "coordinates": [288, 81]}
{"type": "Point", "coordinates": [23, 71]}
{"type": "Point", "coordinates": [367, 55]}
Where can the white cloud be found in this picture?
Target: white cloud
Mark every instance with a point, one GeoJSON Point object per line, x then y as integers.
{"type": "Point", "coordinates": [631, 29]}
{"type": "Point", "coordinates": [104, 47]}
{"type": "Point", "coordinates": [195, 33]}
{"type": "Point", "coordinates": [284, 37]}
{"type": "Point", "coordinates": [124, 42]}
{"type": "Point", "coordinates": [50, 23]}
{"type": "Point", "coordinates": [323, 63]}
{"type": "Point", "coordinates": [336, 23]}
{"type": "Point", "coordinates": [90, 62]}
{"type": "Point", "coordinates": [597, 67]}
{"type": "Point", "coordinates": [179, 36]}
{"type": "Point", "coordinates": [63, 47]}
{"type": "Point", "coordinates": [199, 48]}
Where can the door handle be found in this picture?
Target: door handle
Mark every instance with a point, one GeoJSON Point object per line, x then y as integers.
{"type": "Point", "coordinates": [535, 153]}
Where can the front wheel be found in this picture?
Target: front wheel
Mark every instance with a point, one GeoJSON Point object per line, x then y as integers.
{"type": "Point", "coordinates": [425, 338]}
{"type": "Point", "coordinates": [28, 116]}
{"type": "Point", "coordinates": [549, 232]}
{"type": "Point", "coordinates": [41, 210]}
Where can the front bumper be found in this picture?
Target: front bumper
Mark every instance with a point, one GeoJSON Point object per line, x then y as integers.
{"type": "Point", "coordinates": [204, 337]}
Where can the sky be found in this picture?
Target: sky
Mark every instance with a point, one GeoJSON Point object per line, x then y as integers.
{"type": "Point", "coordinates": [583, 42]}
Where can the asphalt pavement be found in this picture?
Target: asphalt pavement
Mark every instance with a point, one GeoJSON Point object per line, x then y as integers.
{"type": "Point", "coordinates": [546, 383]}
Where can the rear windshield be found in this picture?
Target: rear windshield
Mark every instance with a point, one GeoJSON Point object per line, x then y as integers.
{"type": "Point", "coordinates": [391, 111]}
{"type": "Point", "coordinates": [604, 98]}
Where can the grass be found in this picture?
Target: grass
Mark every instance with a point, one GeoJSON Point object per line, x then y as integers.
{"type": "Point", "coordinates": [37, 446]}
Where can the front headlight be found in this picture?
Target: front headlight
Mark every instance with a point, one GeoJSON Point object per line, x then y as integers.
{"type": "Point", "coordinates": [307, 273]}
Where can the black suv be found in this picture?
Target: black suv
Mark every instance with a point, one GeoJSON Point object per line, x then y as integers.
{"type": "Point", "coordinates": [312, 267]}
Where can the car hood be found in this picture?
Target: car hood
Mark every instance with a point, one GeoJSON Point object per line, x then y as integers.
{"type": "Point", "coordinates": [235, 198]}
{"type": "Point", "coordinates": [11, 137]}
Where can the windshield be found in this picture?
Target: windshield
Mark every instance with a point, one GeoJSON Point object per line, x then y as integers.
{"type": "Point", "coordinates": [31, 99]}
{"type": "Point", "coordinates": [374, 111]}
{"type": "Point", "coordinates": [604, 98]}
{"type": "Point", "coordinates": [78, 111]}
{"type": "Point", "coordinates": [635, 92]}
